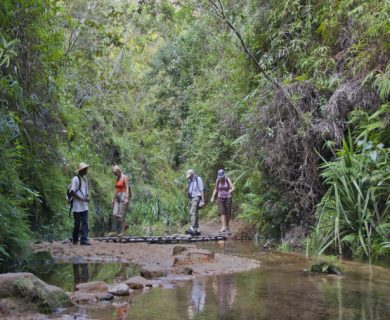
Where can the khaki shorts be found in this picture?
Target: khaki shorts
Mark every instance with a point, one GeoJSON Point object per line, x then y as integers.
{"type": "Point", "coordinates": [119, 210]}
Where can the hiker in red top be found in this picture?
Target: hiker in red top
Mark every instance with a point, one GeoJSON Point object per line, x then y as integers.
{"type": "Point", "coordinates": [121, 200]}
{"type": "Point", "coordinates": [223, 188]}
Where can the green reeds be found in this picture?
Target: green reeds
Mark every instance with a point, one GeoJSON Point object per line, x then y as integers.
{"type": "Point", "coordinates": [353, 214]}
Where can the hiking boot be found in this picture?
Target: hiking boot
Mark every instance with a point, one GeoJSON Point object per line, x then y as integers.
{"type": "Point", "coordinates": [85, 243]}
{"type": "Point", "coordinates": [197, 233]}
{"type": "Point", "coordinates": [190, 231]}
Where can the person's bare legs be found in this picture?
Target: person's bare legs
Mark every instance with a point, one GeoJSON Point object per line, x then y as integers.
{"type": "Point", "coordinates": [223, 222]}
{"type": "Point", "coordinates": [122, 220]}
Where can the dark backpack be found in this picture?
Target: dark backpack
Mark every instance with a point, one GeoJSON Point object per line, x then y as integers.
{"type": "Point", "coordinates": [69, 194]}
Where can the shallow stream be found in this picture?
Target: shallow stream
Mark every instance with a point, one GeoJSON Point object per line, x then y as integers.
{"type": "Point", "coordinates": [279, 289]}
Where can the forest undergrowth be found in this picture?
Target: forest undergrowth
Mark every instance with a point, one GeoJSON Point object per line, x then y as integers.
{"type": "Point", "coordinates": [290, 97]}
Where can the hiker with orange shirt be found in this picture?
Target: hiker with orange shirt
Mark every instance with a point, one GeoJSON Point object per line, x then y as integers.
{"type": "Point", "coordinates": [121, 200]}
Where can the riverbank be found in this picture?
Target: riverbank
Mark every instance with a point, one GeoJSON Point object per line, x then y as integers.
{"type": "Point", "coordinates": [160, 265]}
{"type": "Point", "coordinates": [155, 257]}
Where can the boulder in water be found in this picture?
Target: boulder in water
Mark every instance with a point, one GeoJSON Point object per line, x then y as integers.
{"type": "Point", "coordinates": [30, 292]}
{"type": "Point", "coordinates": [121, 289]}
{"type": "Point", "coordinates": [153, 273]}
{"type": "Point", "coordinates": [194, 256]}
{"type": "Point", "coordinates": [325, 267]}
{"type": "Point", "coordinates": [138, 283]}
{"type": "Point", "coordinates": [93, 286]}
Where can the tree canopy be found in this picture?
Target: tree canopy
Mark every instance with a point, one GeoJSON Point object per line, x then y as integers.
{"type": "Point", "coordinates": [290, 97]}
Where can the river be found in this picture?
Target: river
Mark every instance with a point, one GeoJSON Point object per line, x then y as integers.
{"type": "Point", "coordinates": [280, 289]}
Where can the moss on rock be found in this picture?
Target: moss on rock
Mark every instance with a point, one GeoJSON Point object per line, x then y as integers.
{"type": "Point", "coordinates": [32, 291]}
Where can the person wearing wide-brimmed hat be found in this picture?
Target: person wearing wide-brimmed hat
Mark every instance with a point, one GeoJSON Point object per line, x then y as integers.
{"type": "Point", "coordinates": [195, 190]}
{"type": "Point", "coordinates": [79, 192]}
{"type": "Point", "coordinates": [223, 189]}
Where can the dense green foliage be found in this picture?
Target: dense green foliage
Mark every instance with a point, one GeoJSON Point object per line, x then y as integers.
{"type": "Point", "coordinates": [353, 214]}
{"type": "Point", "coordinates": [261, 88]}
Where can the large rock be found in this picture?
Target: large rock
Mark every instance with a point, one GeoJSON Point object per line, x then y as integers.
{"type": "Point", "coordinates": [119, 290]}
{"type": "Point", "coordinates": [153, 273]}
{"type": "Point", "coordinates": [178, 249]}
{"type": "Point", "coordinates": [27, 289]}
{"type": "Point", "coordinates": [82, 297]}
{"type": "Point", "coordinates": [138, 283]}
{"type": "Point", "coordinates": [183, 270]}
{"type": "Point", "coordinates": [93, 286]}
{"type": "Point", "coordinates": [91, 292]}
{"type": "Point", "coordinates": [325, 267]}
{"type": "Point", "coordinates": [194, 256]}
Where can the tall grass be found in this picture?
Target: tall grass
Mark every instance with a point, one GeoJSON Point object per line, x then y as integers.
{"type": "Point", "coordinates": [14, 228]}
{"type": "Point", "coordinates": [163, 210]}
{"type": "Point", "coordinates": [353, 214]}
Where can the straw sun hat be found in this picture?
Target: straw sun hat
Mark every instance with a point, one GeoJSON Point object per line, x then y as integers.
{"type": "Point", "coordinates": [82, 165]}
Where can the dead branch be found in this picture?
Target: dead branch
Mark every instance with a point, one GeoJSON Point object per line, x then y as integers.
{"type": "Point", "coordinates": [219, 11]}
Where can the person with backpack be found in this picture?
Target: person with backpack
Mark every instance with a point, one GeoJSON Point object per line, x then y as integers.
{"type": "Point", "coordinates": [79, 204]}
{"type": "Point", "coordinates": [195, 191]}
{"type": "Point", "coordinates": [223, 189]}
{"type": "Point", "coordinates": [122, 196]}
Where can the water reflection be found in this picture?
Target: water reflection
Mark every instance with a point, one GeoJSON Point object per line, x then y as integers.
{"type": "Point", "coordinates": [197, 297]}
{"type": "Point", "coordinates": [121, 311]}
{"type": "Point", "coordinates": [68, 275]}
{"type": "Point", "coordinates": [354, 300]}
{"type": "Point", "coordinates": [279, 289]}
{"type": "Point", "coordinates": [80, 273]}
{"type": "Point", "coordinates": [224, 288]}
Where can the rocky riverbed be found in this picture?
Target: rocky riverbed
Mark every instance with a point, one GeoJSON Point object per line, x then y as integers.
{"type": "Point", "coordinates": [161, 265]}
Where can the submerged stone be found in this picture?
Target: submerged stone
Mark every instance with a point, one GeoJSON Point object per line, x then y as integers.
{"type": "Point", "coordinates": [325, 267]}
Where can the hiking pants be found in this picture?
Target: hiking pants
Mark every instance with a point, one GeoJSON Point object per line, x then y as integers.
{"type": "Point", "coordinates": [80, 218]}
{"type": "Point", "coordinates": [194, 207]}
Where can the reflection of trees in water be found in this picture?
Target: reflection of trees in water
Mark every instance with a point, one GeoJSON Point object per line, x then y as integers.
{"type": "Point", "coordinates": [368, 301]}
{"type": "Point", "coordinates": [224, 288]}
{"type": "Point", "coordinates": [83, 272]}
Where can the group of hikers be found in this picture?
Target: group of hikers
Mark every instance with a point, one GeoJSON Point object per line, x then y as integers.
{"type": "Point", "coordinates": [79, 198]}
